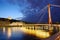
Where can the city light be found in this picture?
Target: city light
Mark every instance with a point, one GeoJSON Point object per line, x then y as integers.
{"type": "Point", "coordinates": [38, 33]}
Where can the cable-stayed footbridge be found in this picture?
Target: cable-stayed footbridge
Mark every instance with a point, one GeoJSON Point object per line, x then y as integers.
{"type": "Point", "coordinates": [34, 28]}
{"type": "Point", "coordinates": [41, 15]}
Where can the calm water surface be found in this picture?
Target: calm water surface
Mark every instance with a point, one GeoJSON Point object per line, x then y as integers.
{"type": "Point", "coordinates": [14, 33]}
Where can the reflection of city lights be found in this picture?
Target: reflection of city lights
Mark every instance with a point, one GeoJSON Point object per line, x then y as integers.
{"type": "Point", "coordinates": [9, 32]}
{"type": "Point", "coordinates": [15, 29]}
{"type": "Point", "coordinates": [42, 34]}
{"type": "Point", "coordinates": [3, 29]}
{"type": "Point", "coordinates": [38, 33]}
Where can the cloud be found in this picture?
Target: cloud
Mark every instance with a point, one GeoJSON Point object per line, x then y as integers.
{"type": "Point", "coordinates": [31, 7]}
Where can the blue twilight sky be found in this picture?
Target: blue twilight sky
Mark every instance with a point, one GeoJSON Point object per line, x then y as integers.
{"type": "Point", "coordinates": [34, 11]}
{"type": "Point", "coordinates": [9, 10]}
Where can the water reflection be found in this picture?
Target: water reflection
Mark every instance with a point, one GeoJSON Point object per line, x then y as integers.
{"type": "Point", "coordinates": [4, 30]}
{"type": "Point", "coordinates": [9, 32]}
{"type": "Point", "coordinates": [14, 33]}
{"type": "Point", "coordinates": [21, 33]}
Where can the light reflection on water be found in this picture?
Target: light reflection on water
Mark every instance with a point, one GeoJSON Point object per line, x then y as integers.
{"type": "Point", "coordinates": [14, 33]}
{"type": "Point", "coordinates": [4, 30]}
{"type": "Point", "coordinates": [18, 33]}
{"type": "Point", "coordinates": [11, 32]}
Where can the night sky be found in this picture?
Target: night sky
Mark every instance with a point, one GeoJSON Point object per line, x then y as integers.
{"type": "Point", "coordinates": [34, 11]}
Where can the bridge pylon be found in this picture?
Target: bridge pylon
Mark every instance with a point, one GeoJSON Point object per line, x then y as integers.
{"type": "Point", "coordinates": [49, 15]}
